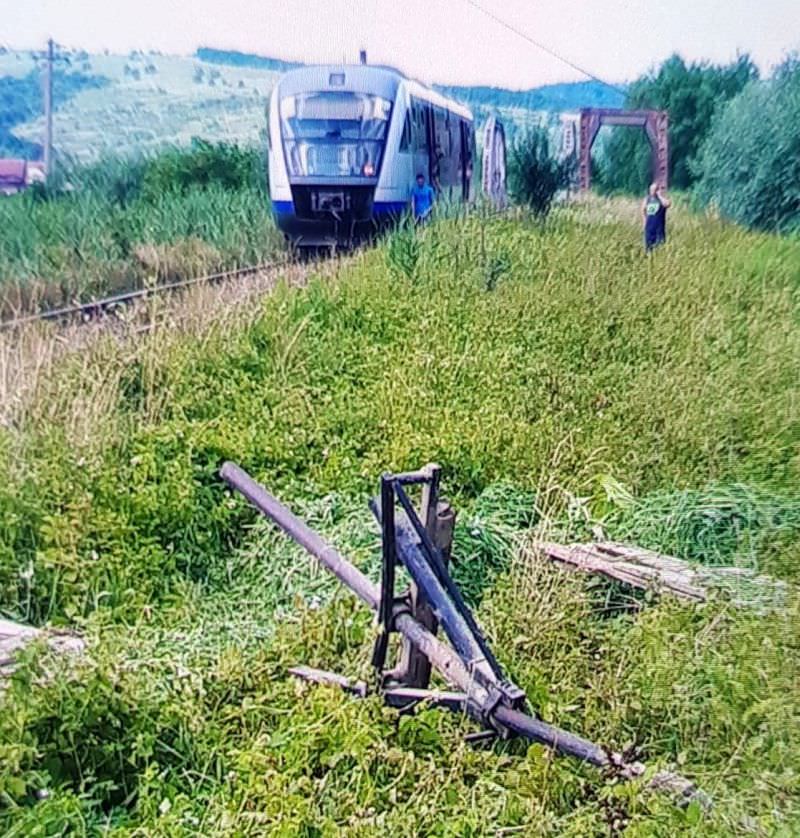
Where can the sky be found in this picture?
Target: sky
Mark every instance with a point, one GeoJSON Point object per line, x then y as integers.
{"type": "Point", "coordinates": [447, 41]}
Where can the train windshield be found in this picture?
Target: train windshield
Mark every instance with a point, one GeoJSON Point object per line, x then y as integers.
{"type": "Point", "coordinates": [334, 134]}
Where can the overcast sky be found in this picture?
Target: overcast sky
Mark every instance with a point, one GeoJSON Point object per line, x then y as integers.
{"type": "Point", "coordinates": [435, 40]}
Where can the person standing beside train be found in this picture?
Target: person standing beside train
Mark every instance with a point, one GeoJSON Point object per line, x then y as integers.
{"type": "Point", "coordinates": [422, 198]}
{"type": "Point", "coordinates": [654, 217]}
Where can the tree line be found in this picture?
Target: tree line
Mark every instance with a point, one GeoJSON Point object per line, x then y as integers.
{"type": "Point", "coordinates": [734, 143]}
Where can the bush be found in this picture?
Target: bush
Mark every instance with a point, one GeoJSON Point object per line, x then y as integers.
{"type": "Point", "coordinates": [182, 721]}
{"type": "Point", "coordinates": [750, 163]}
{"type": "Point", "coordinates": [204, 164]}
{"type": "Point", "coordinates": [534, 174]}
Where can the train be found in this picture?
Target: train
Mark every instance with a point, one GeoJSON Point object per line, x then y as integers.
{"type": "Point", "coordinates": [346, 143]}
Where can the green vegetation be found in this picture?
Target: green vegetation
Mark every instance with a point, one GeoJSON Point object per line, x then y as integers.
{"type": "Point", "coordinates": [582, 368]}
{"type": "Point", "coordinates": [121, 224]}
{"type": "Point", "coordinates": [21, 100]}
{"type": "Point", "coordinates": [750, 163]}
{"type": "Point", "coordinates": [733, 140]}
{"type": "Point", "coordinates": [535, 177]}
{"type": "Point", "coordinates": [235, 58]}
{"type": "Point", "coordinates": [692, 94]}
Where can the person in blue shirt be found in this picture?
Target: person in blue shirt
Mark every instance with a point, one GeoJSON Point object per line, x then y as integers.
{"type": "Point", "coordinates": [654, 217]}
{"type": "Point", "coordinates": [422, 197]}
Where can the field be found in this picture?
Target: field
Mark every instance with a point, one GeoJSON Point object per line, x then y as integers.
{"type": "Point", "coordinates": [564, 381]}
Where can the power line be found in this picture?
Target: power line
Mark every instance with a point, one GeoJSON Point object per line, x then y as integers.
{"type": "Point", "coordinates": [511, 28]}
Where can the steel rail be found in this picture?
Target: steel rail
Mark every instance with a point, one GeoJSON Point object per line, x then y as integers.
{"type": "Point", "coordinates": [95, 307]}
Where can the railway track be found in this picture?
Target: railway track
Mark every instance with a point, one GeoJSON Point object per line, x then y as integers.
{"type": "Point", "coordinates": [94, 309]}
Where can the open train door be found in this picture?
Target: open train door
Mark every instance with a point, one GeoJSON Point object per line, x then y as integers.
{"type": "Point", "coordinates": [494, 163]}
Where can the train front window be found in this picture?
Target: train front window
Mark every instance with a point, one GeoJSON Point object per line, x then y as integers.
{"type": "Point", "coordinates": [334, 134]}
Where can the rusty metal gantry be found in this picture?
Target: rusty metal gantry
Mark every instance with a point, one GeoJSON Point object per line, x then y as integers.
{"type": "Point", "coordinates": [654, 123]}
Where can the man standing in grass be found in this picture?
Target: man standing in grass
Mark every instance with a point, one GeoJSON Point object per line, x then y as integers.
{"type": "Point", "coordinates": [422, 197]}
{"type": "Point", "coordinates": [654, 217]}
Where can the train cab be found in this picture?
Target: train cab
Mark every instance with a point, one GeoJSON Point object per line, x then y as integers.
{"type": "Point", "coordinates": [345, 146]}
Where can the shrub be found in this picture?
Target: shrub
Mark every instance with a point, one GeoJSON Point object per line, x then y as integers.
{"type": "Point", "coordinates": [535, 176]}
{"type": "Point", "coordinates": [82, 234]}
{"type": "Point", "coordinates": [403, 251]}
{"type": "Point", "coordinates": [204, 164]}
{"type": "Point", "coordinates": [750, 164]}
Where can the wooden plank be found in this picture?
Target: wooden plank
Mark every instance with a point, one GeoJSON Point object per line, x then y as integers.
{"type": "Point", "coordinates": [587, 558]}
{"type": "Point", "coordinates": [642, 556]}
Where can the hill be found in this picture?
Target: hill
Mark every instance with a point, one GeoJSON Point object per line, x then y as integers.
{"type": "Point", "coordinates": [562, 380]}
{"type": "Point", "coordinates": [21, 100]}
{"type": "Point", "coordinates": [142, 101]}
{"type": "Point", "coordinates": [551, 97]}
{"type": "Point", "coordinates": [234, 58]}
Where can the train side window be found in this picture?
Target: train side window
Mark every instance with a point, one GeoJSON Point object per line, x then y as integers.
{"type": "Point", "coordinates": [422, 130]}
{"type": "Point", "coordinates": [405, 140]}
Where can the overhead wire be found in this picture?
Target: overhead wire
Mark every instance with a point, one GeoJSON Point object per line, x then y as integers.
{"type": "Point", "coordinates": [519, 33]}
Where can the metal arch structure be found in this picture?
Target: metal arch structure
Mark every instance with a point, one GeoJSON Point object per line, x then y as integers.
{"type": "Point", "coordinates": [654, 123]}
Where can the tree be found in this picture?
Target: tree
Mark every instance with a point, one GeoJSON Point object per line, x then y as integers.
{"type": "Point", "coordinates": [749, 165]}
{"type": "Point", "coordinates": [692, 94]}
{"type": "Point", "coordinates": [535, 176]}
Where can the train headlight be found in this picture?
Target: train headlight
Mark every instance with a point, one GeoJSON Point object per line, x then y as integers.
{"type": "Point", "coordinates": [369, 169]}
{"type": "Point", "coordinates": [294, 158]}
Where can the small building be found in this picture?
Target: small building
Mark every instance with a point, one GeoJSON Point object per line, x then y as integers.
{"type": "Point", "coordinates": [18, 175]}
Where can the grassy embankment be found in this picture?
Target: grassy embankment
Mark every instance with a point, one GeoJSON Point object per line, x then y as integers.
{"type": "Point", "coordinates": [121, 224]}
{"type": "Point", "coordinates": [541, 374]}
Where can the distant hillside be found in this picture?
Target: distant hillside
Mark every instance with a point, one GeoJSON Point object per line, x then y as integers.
{"type": "Point", "coordinates": [233, 58]}
{"type": "Point", "coordinates": [552, 97]}
{"type": "Point", "coordinates": [21, 99]}
{"type": "Point", "coordinates": [569, 96]}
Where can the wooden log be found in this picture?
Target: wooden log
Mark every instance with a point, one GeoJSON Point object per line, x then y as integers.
{"type": "Point", "coordinates": [414, 668]}
{"type": "Point", "coordinates": [639, 555]}
{"type": "Point", "coordinates": [588, 559]}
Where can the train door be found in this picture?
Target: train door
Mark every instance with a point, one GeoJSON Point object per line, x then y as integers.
{"type": "Point", "coordinates": [433, 151]}
{"type": "Point", "coordinates": [473, 162]}
{"type": "Point", "coordinates": [466, 159]}
{"type": "Point", "coordinates": [451, 150]}
{"type": "Point", "coordinates": [443, 151]}
{"type": "Point", "coordinates": [419, 141]}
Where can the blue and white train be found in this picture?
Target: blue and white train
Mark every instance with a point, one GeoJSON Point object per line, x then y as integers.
{"type": "Point", "coordinates": [345, 146]}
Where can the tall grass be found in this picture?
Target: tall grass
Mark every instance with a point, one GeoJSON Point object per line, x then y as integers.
{"type": "Point", "coordinates": [582, 359]}
{"type": "Point", "coordinates": [119, 224]}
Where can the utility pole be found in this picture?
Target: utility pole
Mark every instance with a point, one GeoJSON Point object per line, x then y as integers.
{"type": "Point", "coordinates": [48, 111]}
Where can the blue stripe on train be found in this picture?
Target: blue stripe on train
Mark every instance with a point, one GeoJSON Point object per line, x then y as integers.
{"type": "Point", "coordinates": [378, 208]}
